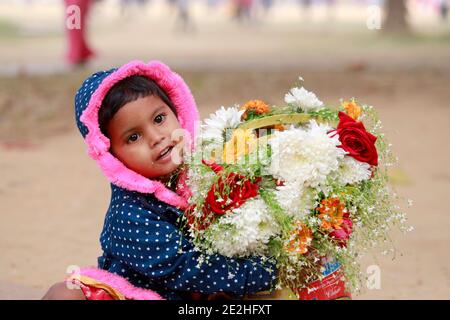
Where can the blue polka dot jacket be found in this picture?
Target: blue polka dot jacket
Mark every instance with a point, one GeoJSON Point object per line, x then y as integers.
{"type": "Point", "coordinates": [141, 238]}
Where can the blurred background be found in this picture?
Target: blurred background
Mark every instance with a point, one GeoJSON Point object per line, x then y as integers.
{"type": "Point", "coordinates": [392, 54]}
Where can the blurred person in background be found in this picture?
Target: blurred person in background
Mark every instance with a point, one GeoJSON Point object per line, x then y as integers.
{"type": "Point", "coordinates": [305, 6]}
{"type": "Point", "coordinates": [266, 5]}
{"type": "Point", "coordinates": [184, 21]}
{"type": "Point", "coordinates": [243, 10]}
{"type": "Point", "coordinates": [76, 13]}
{"type": "Point", "coordinates": [263, 8]}
{"type": "Point", "coordinates": [443, 9]}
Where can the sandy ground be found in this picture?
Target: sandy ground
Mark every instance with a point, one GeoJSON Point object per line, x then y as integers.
{"type": "Point", "coordinates": [53, 197]}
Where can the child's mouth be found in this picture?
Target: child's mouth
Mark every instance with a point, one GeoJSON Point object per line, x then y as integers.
{"type": "Point", "coordinates": [165, 153]}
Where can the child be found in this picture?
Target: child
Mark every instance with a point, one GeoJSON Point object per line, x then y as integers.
{"type": "Point", "coordinates": [127, 117]}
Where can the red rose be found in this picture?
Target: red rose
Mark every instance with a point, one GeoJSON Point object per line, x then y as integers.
{"type": "Point", "coordinates": [199, 223]}
{"type": "Point", "coordinates": [354, 138]}
{"type": "Point", "coordinates": [230, 193]}
{"type": "Point", "coordinates": [343, 234]}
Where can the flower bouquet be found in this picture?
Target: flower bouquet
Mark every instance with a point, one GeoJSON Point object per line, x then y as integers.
{"type": "Point", "coordinates": [302, 184]}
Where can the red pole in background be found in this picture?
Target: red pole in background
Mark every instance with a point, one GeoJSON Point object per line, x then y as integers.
{"type": "Point", "coordinates": [78, 51]}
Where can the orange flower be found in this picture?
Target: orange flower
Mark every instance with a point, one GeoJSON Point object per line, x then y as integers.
{"type": "Point", "coordinates": [300, 239]}
{"type": "Point", "coordinates": [352, 109]}
{"type": "Point", "coordinates": [256, 106]}
{"type": "Point", "coordinates": [331, 213]}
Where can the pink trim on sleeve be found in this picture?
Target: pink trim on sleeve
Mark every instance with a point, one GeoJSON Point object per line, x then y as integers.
{"type": "Point", "coordinates": [120, 284]}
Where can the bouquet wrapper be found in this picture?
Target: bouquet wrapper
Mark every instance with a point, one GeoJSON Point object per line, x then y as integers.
{"type": "Point", "coordinates": [331, 287]}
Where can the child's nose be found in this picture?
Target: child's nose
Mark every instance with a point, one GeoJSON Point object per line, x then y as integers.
{"type": "Point", "coordinates": [156, 139]}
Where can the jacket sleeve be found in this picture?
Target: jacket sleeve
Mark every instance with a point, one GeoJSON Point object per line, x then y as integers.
{"type": "Point", "coordinates": [157, 249]}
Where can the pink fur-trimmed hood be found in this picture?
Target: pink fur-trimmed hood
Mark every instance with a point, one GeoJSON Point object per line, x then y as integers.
{"type": "Point", "coordinates": [88, 101]}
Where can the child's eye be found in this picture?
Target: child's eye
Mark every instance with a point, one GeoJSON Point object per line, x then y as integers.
{"type": "Point", "coordinates": [160, 118]}
{"type": "Point", "coordinates": [133, 137]}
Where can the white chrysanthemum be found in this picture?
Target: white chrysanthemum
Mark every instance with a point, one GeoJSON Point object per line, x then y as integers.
{"type": "Point", "coordinates": [303, 98]}
{"type": "Point", "coordinates": [306, 155]}
{"type": "Point", "coordinates": [353, 171]}
{"type": "Point", "coordinates": [214, 127]}
{"type": "Point", "coordinates": [295, 199]}
{"type": "Point", "coordinates": [244, 231]}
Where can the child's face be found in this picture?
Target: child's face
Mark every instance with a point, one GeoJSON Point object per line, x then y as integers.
{"type": "Point", "coordinates": [141, 136]}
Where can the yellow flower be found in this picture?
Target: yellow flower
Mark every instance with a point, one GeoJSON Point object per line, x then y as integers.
{"type": "Point", "coordinates": [352, 109]}
{"type": "Point", "coordinates": [242, 142]}
{"type": "Point", "coordinates": [256, 106]}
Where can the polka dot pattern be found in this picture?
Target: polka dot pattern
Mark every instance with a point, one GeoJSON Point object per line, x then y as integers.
{"type": "Point", "coordinates": [84, 94]}
{"type": "Point", "coordinates": [141, 241]}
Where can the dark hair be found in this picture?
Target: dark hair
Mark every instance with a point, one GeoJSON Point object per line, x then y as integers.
{"type": "Point", "coordinates": [125, 91]}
